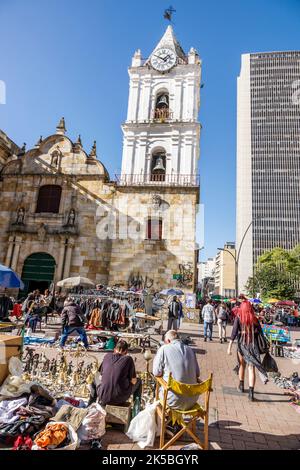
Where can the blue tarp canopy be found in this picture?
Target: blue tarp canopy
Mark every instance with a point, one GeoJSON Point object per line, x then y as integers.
{"type": "Point", "coordinates": [9, 279]}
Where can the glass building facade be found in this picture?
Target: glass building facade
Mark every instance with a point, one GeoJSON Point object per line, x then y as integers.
{"type": "Point", "coordinates": [268, 149]}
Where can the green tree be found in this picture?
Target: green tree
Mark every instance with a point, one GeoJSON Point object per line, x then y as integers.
{"type": "Point", "coordinates": [276, 274]}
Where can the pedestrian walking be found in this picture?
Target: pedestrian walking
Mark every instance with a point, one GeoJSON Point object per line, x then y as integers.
{"type": "Point", "coordinates": [222, 320]}
{"type": "Point", "coordinates": [180, 313]}
{"type": "Point", "coordinates": [173, 314]}
{"type": "Point", "coordinates": [208, 316]}
{"type": "Point", "coordinates": [246, 329]}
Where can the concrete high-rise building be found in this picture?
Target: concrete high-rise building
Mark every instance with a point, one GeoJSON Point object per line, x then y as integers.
{"type": "Point", "coordinates": [206, 268]}
{"type": "Point", "coordinates": [268, 156]}
{"type": "Point", "coordinates": [225, 271]}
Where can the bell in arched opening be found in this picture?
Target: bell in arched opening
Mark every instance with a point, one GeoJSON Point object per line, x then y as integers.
{"type": "Point", "coordinates": [159, 165]}
{"type": "Point", "coordinates": [158, 172]}
{"type": "Point", "coordinates": [162, 101]}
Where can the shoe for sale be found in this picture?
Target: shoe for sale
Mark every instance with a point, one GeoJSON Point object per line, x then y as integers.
{"type": "Point", "coordinates": [18, 443]}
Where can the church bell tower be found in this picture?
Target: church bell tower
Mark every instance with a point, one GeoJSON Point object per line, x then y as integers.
{"type": "Point", "coordinates": [162, 132]}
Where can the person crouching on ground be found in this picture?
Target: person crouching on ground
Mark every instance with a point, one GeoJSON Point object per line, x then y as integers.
{"type": "Point", "coordinates": [118, 378]}
{"type": "Point", "coordinates": [73, 319]}
{"type": "Point", "coordinates": [246, 328]}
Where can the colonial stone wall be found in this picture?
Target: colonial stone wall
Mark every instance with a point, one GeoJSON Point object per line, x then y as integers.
{"type": "Point", "coordinates": [107, 240]}
{"type": "Point", "coordinates": [154, 262]}
{"type": "Point", "coordinates": [7, 149]}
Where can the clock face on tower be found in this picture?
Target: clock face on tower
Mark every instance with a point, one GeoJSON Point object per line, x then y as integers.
{"type": "Point", "coordinates": [163, 59]}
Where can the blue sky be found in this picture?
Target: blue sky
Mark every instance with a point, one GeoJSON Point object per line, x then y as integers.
{"type": "Point", "coordinates": [69, 58]}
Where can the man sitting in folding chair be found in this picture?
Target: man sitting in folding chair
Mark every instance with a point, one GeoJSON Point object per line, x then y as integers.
{"type": "Point", "coordinates": [177, 373]}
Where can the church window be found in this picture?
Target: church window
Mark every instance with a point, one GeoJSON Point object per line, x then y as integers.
{"type": "Point", "coordinates": [154, 229]}
{"type": "Point", "coordinates": [49, 199]}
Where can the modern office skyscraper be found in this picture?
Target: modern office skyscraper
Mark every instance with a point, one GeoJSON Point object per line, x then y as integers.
{"type": "Point", "coordinates": [268, 155]}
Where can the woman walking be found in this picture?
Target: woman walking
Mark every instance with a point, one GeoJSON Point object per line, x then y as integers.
{"type": "Point", "coordinates": [247, 328]}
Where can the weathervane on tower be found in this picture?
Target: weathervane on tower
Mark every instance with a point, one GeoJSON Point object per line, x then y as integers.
{"type": "Point", "coordinates": [168, 13]}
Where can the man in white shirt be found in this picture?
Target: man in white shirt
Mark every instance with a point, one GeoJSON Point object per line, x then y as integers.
{"type": "Point", "coordinates": [209, 316]}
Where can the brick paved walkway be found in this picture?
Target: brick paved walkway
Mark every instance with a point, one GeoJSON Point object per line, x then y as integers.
{"type": "Point", "coordinates": [235, 423]}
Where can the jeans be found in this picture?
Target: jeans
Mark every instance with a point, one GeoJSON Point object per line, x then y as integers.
{"type": "Point", "coordinates": [222, 328]}
{"type": "Point", "coordinates": [69, 329]}
{"type": "Point", "coordinates": [172, 324]}
{"type": "Point", "coordinates": [208, 326]}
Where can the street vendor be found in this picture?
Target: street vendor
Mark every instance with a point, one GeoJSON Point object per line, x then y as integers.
{"type": "Point", "coordinates": [118, 378]}
{"type": "Point", "coordinates": [179, 359]}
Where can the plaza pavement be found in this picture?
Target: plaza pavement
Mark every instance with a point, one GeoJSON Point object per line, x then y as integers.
{"type": "Point", "coordinates": [235, 423]}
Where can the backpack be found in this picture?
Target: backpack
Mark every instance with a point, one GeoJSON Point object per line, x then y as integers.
{"type": "Point", "coordinates": [222, 314]}
{"type": "Point", "coordinates": [174, 310]}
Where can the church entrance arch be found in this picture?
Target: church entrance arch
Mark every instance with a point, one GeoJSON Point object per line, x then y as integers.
{"type": "Point", "coordinates": [38, 272]}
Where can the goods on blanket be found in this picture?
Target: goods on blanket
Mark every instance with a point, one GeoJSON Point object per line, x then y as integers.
{"type": "Point", "coordinates": [71, 415]}
{"type": "Point", "coordinates": [25, 416]}
{"type": "Point", "coordinates": [52, 436]}
{"type": "Point", "coordinates": [193, 446]}
{"type": "Point", "coordinates": [37, 340]}
{"type": "Point", "coordinates": [142, 428]}
{"type": "Point", "coordinates": [292, 382]}
{"type": "Point", "coordinates": [59, 374]}
{"type": "Point", "coordinates": [23, 443]}
{"type": "Point", "coordinates": [110, 344]}
{"type": "Point", "coordinates": [93, 425]}
{"type": "Point", "coordinates": [292, 353]}
{"type": "Point", "coordinates": [71, 441]}
{"type": "Point", "coordinates": [8, 409]}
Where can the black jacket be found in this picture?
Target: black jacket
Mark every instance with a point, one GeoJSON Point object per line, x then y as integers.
{"type": "Point", "coordinates": [72, 315]}
{"type": "Point", "coordinates": [174, 309]}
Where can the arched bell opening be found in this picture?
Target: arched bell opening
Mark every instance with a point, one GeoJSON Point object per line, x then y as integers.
{"type": "Point", "coordinates": [162, 106]}
{"type": "Point", "coordinates": [158, 166]}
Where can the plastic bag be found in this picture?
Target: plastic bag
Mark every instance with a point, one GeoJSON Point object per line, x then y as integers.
{"type": "Point", "coordinates": [93, 425]}
{"type": "Point", "coordinates": [269, 364]}
{"type": "Point", "coordinates": [72, 436]}
{"type": "Point", "coordinates": [14, 386]}
{"type": "Point", "coordinates": [142, 428]}
{"type": "Point", "coordinates": [15, 366]}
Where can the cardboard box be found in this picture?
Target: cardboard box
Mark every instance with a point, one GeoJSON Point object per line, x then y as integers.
{"type": "Point", "coordinates": [119, 414]}
{"type": "Point", "coordinates": [9, 346]}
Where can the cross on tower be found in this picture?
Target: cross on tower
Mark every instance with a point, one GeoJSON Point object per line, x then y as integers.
{"type": "Point", "coordinates": [168, 13]}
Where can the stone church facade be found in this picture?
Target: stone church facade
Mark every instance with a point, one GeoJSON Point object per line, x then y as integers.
{"type": "Point", "coordinates": [61, 215]}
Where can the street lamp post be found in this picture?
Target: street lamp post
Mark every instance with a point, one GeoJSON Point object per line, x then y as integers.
{"type": "Point", "coordinates": [237, 257]}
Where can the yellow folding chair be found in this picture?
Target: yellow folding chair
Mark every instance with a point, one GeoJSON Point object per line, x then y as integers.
{"type": "Point", "coordinates": [167, 414]}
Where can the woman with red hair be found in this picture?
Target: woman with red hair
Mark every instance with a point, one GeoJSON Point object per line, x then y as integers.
{"type": "Point", "coordinates": [247, 328]}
